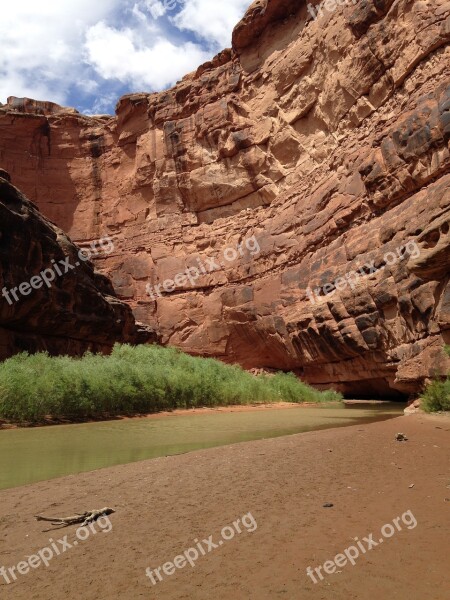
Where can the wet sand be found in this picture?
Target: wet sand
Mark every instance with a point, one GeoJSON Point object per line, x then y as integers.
{"type": "Point", "coordinates": [164, 504]}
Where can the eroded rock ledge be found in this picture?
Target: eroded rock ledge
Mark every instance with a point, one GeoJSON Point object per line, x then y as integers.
{"type": "Point", "coordinates": [327, 140]}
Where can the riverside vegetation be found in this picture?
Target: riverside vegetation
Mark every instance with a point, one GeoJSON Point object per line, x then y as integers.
{"type": "Point", "coordinates": [437, 395]}
{"type": "Point", "coordinates": [135, 380]}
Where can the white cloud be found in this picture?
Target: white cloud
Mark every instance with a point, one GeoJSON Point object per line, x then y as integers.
{"type": "Point", "coordinates": [16, 84]}
{"type": "Point", "coordinates": [101, 105]}
{"type": "Point", "coordinates": [156, 8]}
{"type": "Point", "coordinates": [41, 45]}
{"type": "Point", "coordinates": [89, 86]}
{"type": "Point", "coordinates": [121, 54]}
{"type": "Point", "coordinates": [51, 48]}
{"type": "Point", "coordinates": [213, 21]}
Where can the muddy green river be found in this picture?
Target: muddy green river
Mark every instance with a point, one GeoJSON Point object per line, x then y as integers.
{"type": "Point", "coordinates": [38, 454]}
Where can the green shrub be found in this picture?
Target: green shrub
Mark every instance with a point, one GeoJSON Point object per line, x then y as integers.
{"type": "Point", "coordinates": [133, 380]}
{"type": "Point", "coordinates": [437, 395]}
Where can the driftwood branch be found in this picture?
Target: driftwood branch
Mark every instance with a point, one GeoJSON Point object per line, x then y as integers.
{"type": "Point", "coordinates": [83, 519]}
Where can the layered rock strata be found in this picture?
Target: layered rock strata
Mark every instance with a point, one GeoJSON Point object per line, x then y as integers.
{"type": "Point", "coordinates": [325, 140]}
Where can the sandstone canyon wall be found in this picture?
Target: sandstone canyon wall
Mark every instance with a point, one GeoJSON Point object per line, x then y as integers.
{"type": "Point", "coordinates": [327, 140]}
{"type": "Point", "coordinates": [68, 308]}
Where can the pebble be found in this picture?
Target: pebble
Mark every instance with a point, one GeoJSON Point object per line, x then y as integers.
{"type": "Point", "coordinates": [328, 505]}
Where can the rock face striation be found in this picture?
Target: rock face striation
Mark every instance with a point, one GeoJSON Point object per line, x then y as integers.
{"type": "Point", "coordinates": [290, 198]}
{"type": "Point", "coordinates": [52, 299]}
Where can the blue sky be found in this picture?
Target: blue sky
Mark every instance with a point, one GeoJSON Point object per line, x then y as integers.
{"type": "Point", "coordinates": [87, 54]}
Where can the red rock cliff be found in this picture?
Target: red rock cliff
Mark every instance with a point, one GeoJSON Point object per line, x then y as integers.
{"type": "Point", "coordinates": [327, 140]}
{"type": "Point", "coordinates": [50, 298]}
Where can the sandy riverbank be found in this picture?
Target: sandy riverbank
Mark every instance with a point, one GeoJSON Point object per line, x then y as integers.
{"type": "Point", "coordinates": [164, 504]}
{"type": "Point", "coordinates": [185, 411]}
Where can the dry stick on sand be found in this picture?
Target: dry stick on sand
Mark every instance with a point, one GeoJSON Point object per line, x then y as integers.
{"type": "Point", "coordinates": [84, 519]}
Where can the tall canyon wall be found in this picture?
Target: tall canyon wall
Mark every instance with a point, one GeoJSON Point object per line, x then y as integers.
{"type": "Point", "coordinates": [324, 142]}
